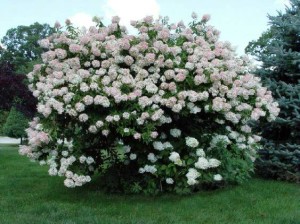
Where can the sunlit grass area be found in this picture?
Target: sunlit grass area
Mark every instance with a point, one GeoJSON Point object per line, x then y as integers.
{"type": "Point", "coordinates": [29, 195]}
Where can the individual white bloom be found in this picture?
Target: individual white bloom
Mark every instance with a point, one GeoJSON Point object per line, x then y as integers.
{"type": "Point", "coordinates": [246, 129]}
{"type": "Point", "coordinates": [42, 162]}
{"type": "Point", "coordinates": [90, 160]}
{"type": "Point", "coordinates": [168, 145]}
{"type": "Point", "coordinates": [158, 146]}
{"type": "Point", "coordinates": [69, 174]}
{"type": "Point", "coordinates": [71, 159]}
{"type": "Point", "coordinates": [79, 107]}
{"type": "Point", "coordinates": [65, 153]}
{"type": "Point", "coordinates": [218, 177]}
{"type": "Point", "coordinates": [175, 132]}
{"type": "Point", "coordinates": [84, 87]}
{"type": "Point", "coordinates": [192, 175]}
{"type": "Point", "coordinates": [192, 182]}
{"type": "Point", "coordinates": [214, 163]}
{"type": "Point", "coordinates": [126, 115]}
{"type": "Point", "coordinates": [82, 159]}
{"type": "Point", "coordinates": [137, 136]}
{"type": "Point", "coordinates": [219, 121]}
{"type": "Point", "coordinates": [195, 110]}
{"type": "Point", "coordinates": [141, 170]}
{"type": "Point", "coordinates": [177, 108]}
{"type": "Point", "coordinates": [191, 142]}
{"type": "Point", "coordinates": [109, 118]}
{"type": "Point", "coordinates": [169, 181]}
{"type": "Point", "coordinates": [233, 135]}
{"type": "Point", "coordinates": [126, 148]}
{"type": "Point", "coordinates": [126, 130]}
{"type": "Point", "coordinates": [83, 117]}
{"type": "Point", "coordinates": [93, 129]}
{"type": "Point", "coordinates": [99, 124]}
{"type": "Point", "coordinates": [105, 132]}
{"type": "Point", "coordinates": [69, 183]}
{"type": "Point", "coordinates": [202, 163]}
{"type": "Point", "coordinates": [151, 157]}
{"type": "Point", "coordinates": [219, 139]}
{"type": "Point", "coordinates": [154, 134]}
{"type": "Point", "coordinates": [132, 156]}
{"type": "Point", "coordinates": [200, 152]}
{"type": "Point", "coordinates": [151, 88]}
{"type": "Point", "coordinates": [150, 169]}
{"type": "Point", "coordinates": [116, 117]}
{"type": "Point", "coordinates": [175, 158]}
{"type": "Point", "coordinates": [88, 100]}
{"type": "Point", "coordinates": [52, 171]}
{"type": "Point", "coordinates": [88, 179]}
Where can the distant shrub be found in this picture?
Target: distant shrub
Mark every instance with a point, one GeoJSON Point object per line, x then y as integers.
{"type": "Point", "coordinates": [15, 124]}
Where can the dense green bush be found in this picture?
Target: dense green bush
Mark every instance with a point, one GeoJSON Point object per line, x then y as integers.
{"type": "Point", "coordinates": [15, 124]}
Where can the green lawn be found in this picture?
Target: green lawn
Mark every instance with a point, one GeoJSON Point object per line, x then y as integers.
{"type": "Point", "coordinates": [29, 195]}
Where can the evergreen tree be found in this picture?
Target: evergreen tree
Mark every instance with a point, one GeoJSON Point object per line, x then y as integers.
{"type": "Point", "coordinates": [279, 51]}
{"type": "Point", "coordinates": [15, 124]}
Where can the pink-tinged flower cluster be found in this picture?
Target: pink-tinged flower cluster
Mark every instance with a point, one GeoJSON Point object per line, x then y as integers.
{"type": "Point", "coordinates": [101, 87]}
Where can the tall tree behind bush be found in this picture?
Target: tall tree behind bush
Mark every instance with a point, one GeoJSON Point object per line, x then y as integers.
{"type": "Point", "coordinates": [15, 124]}
{"type": "Point", "coordinates": [21, 46]}
{"type": "Point", "coordinates": [279, 51]}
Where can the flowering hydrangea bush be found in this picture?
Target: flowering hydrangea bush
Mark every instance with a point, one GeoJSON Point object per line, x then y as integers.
{"type": "Point", "coordinates": [167, 109]}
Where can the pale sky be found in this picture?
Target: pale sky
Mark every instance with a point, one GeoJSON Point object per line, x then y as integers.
{"type": "Point", "coordinates": [239, 21]}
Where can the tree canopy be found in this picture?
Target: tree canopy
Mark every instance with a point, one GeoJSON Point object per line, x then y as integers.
{"type": "Point", "coordinates": [14, 91]}
{"type": "Point", "coordinates": [20, 45]}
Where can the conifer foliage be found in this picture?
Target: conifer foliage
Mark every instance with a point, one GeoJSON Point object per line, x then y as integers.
{"type": "Point", "coordinates": [279, 51]}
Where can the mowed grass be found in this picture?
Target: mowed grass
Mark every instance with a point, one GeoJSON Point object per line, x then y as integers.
{"type": "Point", "coordinates": [29, 195]}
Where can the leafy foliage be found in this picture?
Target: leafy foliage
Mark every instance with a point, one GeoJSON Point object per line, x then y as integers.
{"type": "Point", "coordinates": [14, 91]}
{"type": "Point", "coordinates": [21, 46]}
{"type": "Point", "coordinates": [15, 124]}
{"type": "Point", "coordinates": [3, 117]}
{"type": "Point", "coordinates": [278, 49]}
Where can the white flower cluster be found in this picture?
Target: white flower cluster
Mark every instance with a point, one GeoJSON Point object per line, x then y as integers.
{"type": "Point", "coordinates": [175, 158]}
{"type": "Point", "coordinates": [191, 142]}
{"type": "Point", "coordinates": [192, 176]}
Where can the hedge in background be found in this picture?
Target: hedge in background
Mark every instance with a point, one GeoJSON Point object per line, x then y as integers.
{"type": "Point", "coordinates": [164, 110]}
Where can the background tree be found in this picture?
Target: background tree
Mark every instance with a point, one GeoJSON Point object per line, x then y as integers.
{"type": "Point", "coordinates": [14, 91]}
{"type": "Point", "coordinates": [3, 117]}
{"type": "Point", "coordinates": [20, 46]}
{"type": "Point", "coordinates": [15, 124]}
{"type": "Point", "coordinates": [279, 51]}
